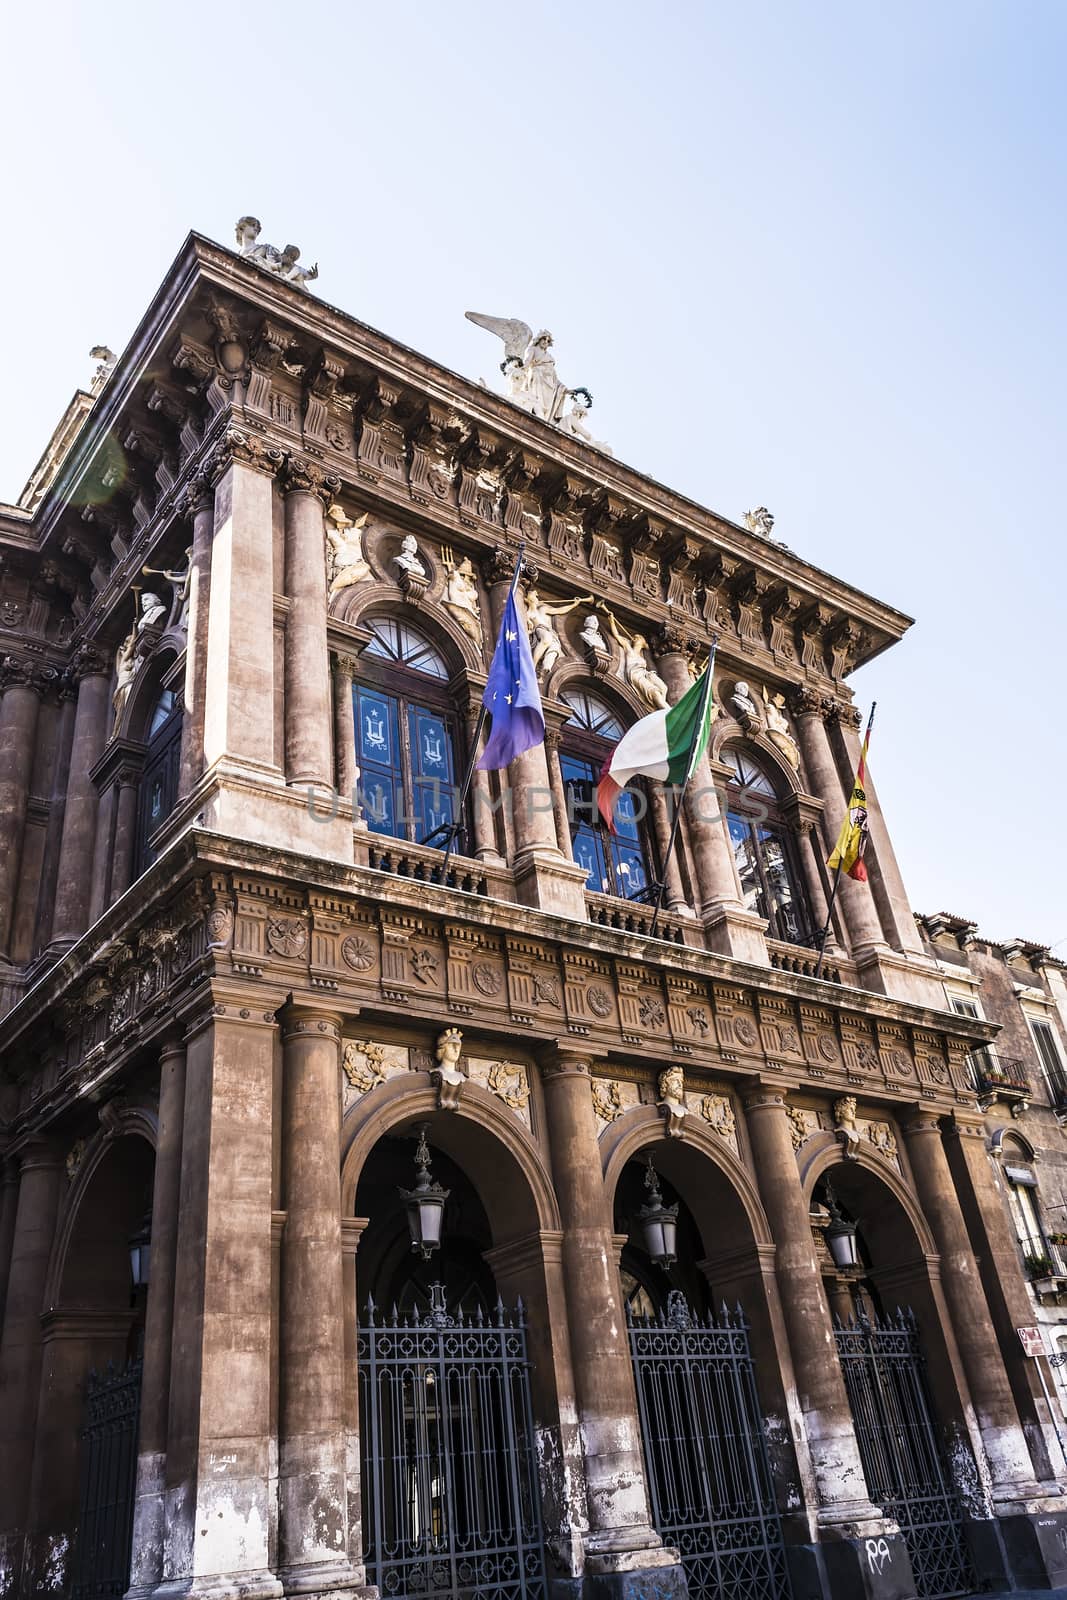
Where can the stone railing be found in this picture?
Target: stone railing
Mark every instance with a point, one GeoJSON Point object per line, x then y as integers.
{"type": "Point", "coordinates": [423, 865]}
{"type": "Point", "coordinates": [797, 958]}
{"type": "Point", "coordinates": [630, 916]}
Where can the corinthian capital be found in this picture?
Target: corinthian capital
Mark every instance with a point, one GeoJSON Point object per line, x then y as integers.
{"type": "Point", "coordinates": [241, 446]}
{"type": "Point", "coordinates": [18, 671]}
{"type": "Point", "coordinates": [300, 475]}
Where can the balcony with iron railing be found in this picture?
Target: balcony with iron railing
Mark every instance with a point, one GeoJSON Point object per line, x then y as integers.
{"type": "Point", "coordinates": [1000, 1078]}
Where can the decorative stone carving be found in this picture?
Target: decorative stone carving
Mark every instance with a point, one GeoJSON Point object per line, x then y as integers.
{"type": "Point", "coordinates": [598, 1001]}
{"type": "Point", "coordinates": [219, 927]}
{"type": "Point", "coordinates": [672, 1101]}
{"type": "Point", "coordinates": [153, 612]}
{"type": "Point", "coordinates": [128, 663]}
{"type": "Point", "coordinates": [799, 1126]}
{"type": "Point", "coordinates": [448, 1075]}
{"type": "Point", "coordinates": [357, 953]}
{"type": "Point", "coordinates": [507, 1080]}
{"type": "Point", "coordinates": [346, 564]}
{"type": "Point", "coordinates": [635, 668]}
{"type": "Point", "coordinates": [880, 1135]}
{"type": "Point", "coordinates": [179, 582]}
{"type": "Point", "coordinates": [363, 1064]}
{"type": "Point", "coordinates": [744, 708]}
{"type": "Point", "coordinates": [760, 521]}
{"type": "Point", "coordinates": [283, 263]}
{"type": "Point", "coordinates": [718, 1113]}
{"type": "Point", "coordinates": [573, 421]}
{"type": "Point", "coordinates": [287, 936]}
{"type": "Point", "coordinates": [461, 593]}
{"type": "Point", "coordinates": [424, 965]}
{"type": "Point", "coordinates": [545, 643]}
{"type": "Point", "coordinates": [75, 1156]}
{"type": "Point", "coordinates": [529, 370]}
{"type": "Point", "coordinates": [845, 1125]}
{"type": "Point", "coordinates": [607, 1099]}
{"type": "Point", "coordinates": [597, 649]}
{"type": "Point", "coordinates": [778, 731]}
{"type": "Point", "coordinates": [408, 562]}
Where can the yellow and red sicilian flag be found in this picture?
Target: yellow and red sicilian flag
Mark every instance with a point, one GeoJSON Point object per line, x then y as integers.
{"type": "Point", "coordinates": [847, 854]}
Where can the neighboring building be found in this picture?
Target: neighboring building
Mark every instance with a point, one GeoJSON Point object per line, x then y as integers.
{"type": "Point", "coordinates": [245, 1002]}
{"type": "Point", "coordinates": [1021, 1082]}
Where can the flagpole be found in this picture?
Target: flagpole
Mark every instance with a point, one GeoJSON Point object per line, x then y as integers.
{"type": "Point", "coordinates": [837, 870]}
{"type": "Point", "coordinates": [456, 828]}
{"type": "Point", "coordinates": [690, 765]}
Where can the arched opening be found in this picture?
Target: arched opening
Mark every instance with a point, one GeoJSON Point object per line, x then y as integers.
{"type": "Point", "coordinates": [707, 1368]}
{"type": "Point", "coordinates": [764, 847]}
{"type": "Point", "coordinates": [85, 1455]}
{"type": "Point", "coordinates": [408, 744]}
{"type": "Point", "coordinates": [616, 863]}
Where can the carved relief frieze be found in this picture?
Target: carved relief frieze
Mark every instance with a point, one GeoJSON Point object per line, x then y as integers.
{"type": "Point", "coordinates": [566, 530]}
{"type": "Point", "coordinates": [611, 1098]}
{"type": "Point", "coordinates": [382, 450]}
{"type": "Point", "coordinates": [688, 1014]}
{"type": "Point", "coordinates": [366, 1063]}
{"type": "Point", "coordinates": [589, 992]}
{"type": "Point", "coordinates": [476, 973]}
{"type": "Point", "coordinates": [534, 985]}
{"type": "Point", "coordinates": [509, 1081]}
{"type": "Point", "coordinates": [717, 1110]}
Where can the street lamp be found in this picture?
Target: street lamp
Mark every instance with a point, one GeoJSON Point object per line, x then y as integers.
{"type": "Point", "coordinates": [659, 1223]}
{"type": "Point", "coordinates": [141, 1252]}
{"type": "Point", "coordinates": [425, 1204]}
{"type": "Point", "coordinates": [840, 1234]}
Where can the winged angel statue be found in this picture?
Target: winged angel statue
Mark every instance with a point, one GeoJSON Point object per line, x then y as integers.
{"type": "Point", "coordinates": [533, 383]}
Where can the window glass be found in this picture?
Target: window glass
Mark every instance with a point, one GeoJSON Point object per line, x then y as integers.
{"type": "Point", "coordinates": [983, 1059]}
{"type": "Point", "coordinates": [392, 640]}
{"type": "Point", "coordinates": [590, 712]}
{"type": "Point", "coordinates": [763, 854]}
{"type": "Point", "coordinates": [1049, 1053]}
{"type": "Point", "coordinates": [615, 864]}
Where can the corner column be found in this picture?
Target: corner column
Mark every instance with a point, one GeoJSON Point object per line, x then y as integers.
{"type": "Point", "coordinates": [77, 846]}
{"type": "Point", "coordinates": [146, 1550]}
{"type": "Point", "coordinates": [621, 1544]}
{"type": "Point", "coordinates": [344, 723]}
{"type": "Point", "coordinates": [22, 686]}
{"type": "Point", "coordinates": [308, 753]}
{"type": "Point", "coordinates": [41, 1177]}
{"type": "Point", "coordinates": [312, 1496]}
{"type": "Point", "coordinates": [846, 1516]}
{"type": "Point", "coordinates": [199, 505]}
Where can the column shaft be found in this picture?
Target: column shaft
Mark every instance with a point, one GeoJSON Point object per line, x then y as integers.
{"type": "Point", "coordinates": [1010, 1466]}
{"type": "Point", "coordinates": [661, 818]}
{"type": "Point", "coordinates": [18, 726]}
{"type": "Point", "coordinates": [74, 877]}
{"type": "Point", "coordinates": [308, 755]}
{"type": "Point", "coordinates": [855, 899]}
{"type": "Point", "coordinates": [345, 728]}
{"type": "Point", "coordinates": [201, 505]}
{"type": "Point", "coordinates": [312, 1502]}
{"type": "Point", "coordinates": [9, 1201]}
{"type": "Point", "coordinates": [102, 851]}
{"type": "Point", "coordinates": [125, 836]}
{"type": "Point", "coordinates": [146, 1555]}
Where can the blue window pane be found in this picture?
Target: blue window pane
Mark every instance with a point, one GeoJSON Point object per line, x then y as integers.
{"type": "Point", "coordinates": [382, 799]}
{"type": "Point", "coordinates": [376, 729]}
{"type": "Point", "coordinates": [433, 807]}
{"type": "Point", "coordinates": [589, 854]}
{"type": "Point", "coordinates": [431, 746]}
{"type": "Point", "coordinates": [630, 873]}
{"type": "Point", "coordinates": [626, 816]}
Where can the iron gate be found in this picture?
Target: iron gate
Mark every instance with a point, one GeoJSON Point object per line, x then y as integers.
{"type": "Point", "coordinates": [108, 1479]}
{"type": "Point", "coordinates": [903, 1459]}
{"type": "Point", "coordinates": [709, 1479]}
{"type": "Point", "coordinates": [451, 1503]}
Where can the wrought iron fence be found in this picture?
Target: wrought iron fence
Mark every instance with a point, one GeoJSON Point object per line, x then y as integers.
{"type": "Point", "coordinates": [900, 1446]}
{"type": "Point", "coordinates": [705, 1452]}
{"type": "Point", "coordinates": [108, 1479]}
{"type": "Point", "coordinates": [451, 1503]}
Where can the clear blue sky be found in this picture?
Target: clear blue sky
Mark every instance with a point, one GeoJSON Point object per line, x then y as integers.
{"type": "Point", "coordinates": [810, 256]}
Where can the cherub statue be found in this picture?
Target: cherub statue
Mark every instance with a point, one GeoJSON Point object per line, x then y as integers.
{"type": "Point", "coordinates": [574, 420]}
{"type": "Point", "coordinates": [744, 707]}
{"type": "Point", "coordinates": [545, 642]}
{"type": "Point", "coordinates": [287, 267]}
{"type": "Point", "coordinates": [346, 564]}
{"type": "Point", "coordinates": [778, 731]}
{"type": "Point", "coordinates": [180, 582]}
{"type": "Point", "coordinates": [529, 366]}
{"type": "Point", "coordinates": [153, 611]}
{"type": "Point", "coordinates": [408, 560]}
{"type": "Point", "coordinates": [635, 668]}
{"type": "Point", "coordinates": [461, 594]}
{"type": "Point", "coordinates": [760, 521]}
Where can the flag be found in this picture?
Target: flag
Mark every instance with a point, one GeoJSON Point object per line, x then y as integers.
{"type": "Point", "coordinates": [511, 696]}
{"type": "Point", "coordinates": [665, 745]}
{"type": "Point", "coordinates": [852, 840]}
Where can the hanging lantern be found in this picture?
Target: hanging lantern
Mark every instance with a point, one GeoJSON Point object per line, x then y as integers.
{"type": "Point", "coordinates": [141, 1251]}
{"type": "Point", "coordinates": [659, 1223]}
{"type": "Point", "coordinates": [425, 1204]}
{"type": "Point", "coordinates": [840, 1234]}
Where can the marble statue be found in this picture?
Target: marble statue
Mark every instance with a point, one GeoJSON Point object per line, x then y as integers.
{"type": "Point", "coordinates": [409, 560]}
{"type": "Point", "coordinates": [533, 382]}
{"type": "Point", "coordinates": [672, 1100]}
{"type": "Point", "coordinates": [760, 521]}
{"type": "Point", "coordinates": [778, 731]}
{"type": "Point", "coordinates": [643, 680]}
{"type": "Point", "coordinates": [153, 612]}
{"type": "Point", "coordinates": [545, 642]}
{"type": "Point", "coordinates": [283, 263]}
{"type": "Point", "coordinates": [591, 635]}
{"type": "Point", "coordinates": [346, 564]}
{"type": "Point", "coordinates": [127, 664]}
{"type": "Point", "coordinates": [461, 594]}
{"type": "Point", "coordinates": [108, 362]}
{"type": "Point", "coordinates": [744, 707]}
{"type": "Point", "coordinates": [180, 581]}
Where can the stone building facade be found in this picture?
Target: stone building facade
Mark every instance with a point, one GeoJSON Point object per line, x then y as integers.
{"type": "Point", "coordinates": [251, 1019]}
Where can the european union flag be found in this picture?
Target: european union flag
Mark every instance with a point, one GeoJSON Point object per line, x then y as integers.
{"type": "Point", "coordinates": [512, 697]}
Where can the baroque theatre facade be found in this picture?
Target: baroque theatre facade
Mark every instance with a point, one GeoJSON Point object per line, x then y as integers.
{"type": "Point", "coordinates": [375, 1221]}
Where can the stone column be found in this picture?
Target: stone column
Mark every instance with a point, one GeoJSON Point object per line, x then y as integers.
{"type": "Point", "coordinates": [621, 1542]}
{"type": "Point", "coordinates": [1011, 1470]}
{"type": "Point", "coordinates": [803, 812]}
{"type": "Point", "coordinates": [312, 1499]}
{"type": "Point", "coordinates": [897, 919]}
{"type": "Point", "coordinates": [661, 818]}
{"type": "Point", "coordinates": [23, 685]}
{"type": "Point", "coordinates": [74, 878]}
{"type": "Point", "coordinates": [127, 782]}
{"type": "Point", "coordinates": [41, 1177]}
{"type": "Point", "coordinates": [351, 1232]}
{"type": "Point", "coordinates": [308, 719]}
{"type": "Point", "coordinates": [730, 929]}
{"type": "Point", "coordinates": [480, 799]}
{"type": "Point", "coordinates": [198, 504]}
{"type": "Point", "coordinates": [846, 1515]}
{"type": "Point", "coordinates": [219, 1500]}
{"type": "Point", "coordinates": [9, 1200]}
{"type": "Point", "coordinates": [146, 1553]}
{"type": "Point", "coordinates": [101, 853]}
{"type": "Point", "coordinates": [855, 899]}
{"type": "Point", "coordinates": [344, 723]}
{"type": "Point", "coordinates": [559, 791]}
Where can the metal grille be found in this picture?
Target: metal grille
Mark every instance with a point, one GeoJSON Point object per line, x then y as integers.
{"type": "Point", "coordinates": [450, 1490]}
{"type": "Point", "coordinates": [108, 1478]}
{"type": "Point", "coordinates": [903, 1459]}
{"type": "Point", "coordinates": [705, 1453]}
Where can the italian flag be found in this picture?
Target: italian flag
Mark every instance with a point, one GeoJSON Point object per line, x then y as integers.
{"type": "Point", "coordinates": [666, 745]}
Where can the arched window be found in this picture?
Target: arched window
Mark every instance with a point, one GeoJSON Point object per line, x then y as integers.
{"type": "Point", "coordinates": [616, 863]}
{"type": "Point", "coordinates": [405, 733]}
{"type": "Point", "coordinates": [763, 848]}
{"type": "Point", "coordinates": [159, 780]}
